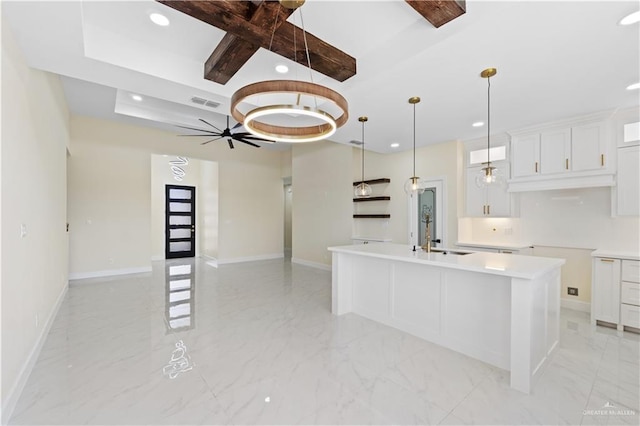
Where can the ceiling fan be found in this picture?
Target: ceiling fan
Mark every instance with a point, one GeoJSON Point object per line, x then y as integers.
{"type": "Point", "coordinates": [244, 137]}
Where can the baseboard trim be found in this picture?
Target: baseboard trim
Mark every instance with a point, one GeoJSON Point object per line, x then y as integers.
{"type": "Point", "coordinates": [250, 258]}
{"type": "Point", "coordinates": [210, 260]}
{"type": "Point", "coordinates": [18, 387]}
{"type": "Point", "coordinates": [576, 305]}
{"type": "Point", "coordinates": [108, 273]}
{"type": "Point", "coordinates": [316, 265]}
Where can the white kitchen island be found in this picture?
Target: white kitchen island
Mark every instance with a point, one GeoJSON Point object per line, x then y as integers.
{"type": "Point", "coordinates": [502, 309]}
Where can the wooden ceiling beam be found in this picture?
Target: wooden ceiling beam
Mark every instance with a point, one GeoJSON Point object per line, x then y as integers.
{"type": "Point", "coordinates": [236, 18]}
{"type": "Point", "coordinates": [439, 12]}
{"type": "Point", "coordinates": [233, 52]}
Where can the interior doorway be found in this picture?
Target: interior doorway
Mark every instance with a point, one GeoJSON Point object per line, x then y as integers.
{"type": "Point", "coordinates": [180, 221]}
{"type": "Point", "coordinates": [431, 202]}
{"type": "Point", "coordinates": [288, 201]}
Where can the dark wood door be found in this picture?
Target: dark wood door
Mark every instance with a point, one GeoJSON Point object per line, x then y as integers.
{"type": "Point", "coordinates": [180, 221]}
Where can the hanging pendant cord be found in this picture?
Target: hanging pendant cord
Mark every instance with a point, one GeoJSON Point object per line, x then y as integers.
{"type": "Point", "coordinates": [414, 140]}
{"type": "Point", "coordinates": [275, 24]}
{"type": "Point", "coordinates": [362, 154]}
{"type": "Point", "coordinates": [488, 120]}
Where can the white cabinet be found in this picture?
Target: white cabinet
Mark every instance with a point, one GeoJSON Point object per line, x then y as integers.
{"type": "Point", "coordinates": [605, 290]}
{"type": "Point", "coordinates": [571, 154]}
{"type": "Point", "coordinates": [522, 250]}
{"type": "Point", "coordinates": [525, 155]}
{"type": "Point", "coordinates": [630, 294]}
{"type": "Point", "coordinates": [588, 147]}
{"type": "Point", "coordinates": [491, 201]}
{"type": "Point", "coordinates": [555, 150]}
{"type": "Point", "coordinates": [628, 181]}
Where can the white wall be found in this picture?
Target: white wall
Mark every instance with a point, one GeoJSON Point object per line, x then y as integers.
{"type": "Point", "coordinates": [208, 208]}
{"type": "Point", "coordinates": [322, 200]}
{"type": "Point", "coordinates": [35, 135]}
{"type": "Point", "coordinates": [109, 185]}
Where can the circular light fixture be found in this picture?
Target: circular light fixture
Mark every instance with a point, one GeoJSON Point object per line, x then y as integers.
{"type": "Point", "coordinates": [394, 145]}
{"type": "Point", "coordinates": [280, 133]}
{"type": "Point", "coordinates": [478, 124]}
{"type": "Point", "coordinates": [136, 98]}
{"type": "Point", "coordinates": [291, 4]}
{"type": "Point", "coordinates": [631, 18]}
{"type": "Point", "coordinates": [159, 19]}
{"type": "Point", "coordinates": [282, 69]}
{"type": "Point", "coordinates": [633, 86]}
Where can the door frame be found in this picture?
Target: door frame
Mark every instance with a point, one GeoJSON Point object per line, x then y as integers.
{"type": "Point", "coordinates": [167, 226]}
{"type": "Point", "coordinates": [440, 184]}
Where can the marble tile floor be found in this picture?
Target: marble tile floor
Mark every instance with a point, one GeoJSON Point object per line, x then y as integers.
{"type": "Point", "coordinates": [256, 343]}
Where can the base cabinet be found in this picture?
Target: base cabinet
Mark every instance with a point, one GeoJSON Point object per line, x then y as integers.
{"type": "Point", "coordinates": [605, 292]}
{"type": "Point", "coordinates": [615, 292]}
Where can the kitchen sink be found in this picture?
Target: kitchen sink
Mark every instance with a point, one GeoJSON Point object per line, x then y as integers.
{"type": "Point", "coordinates": [444, 251]}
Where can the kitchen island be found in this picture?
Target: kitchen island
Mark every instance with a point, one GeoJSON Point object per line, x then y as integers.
{"type": "Point", "coordinates": [502, 309]}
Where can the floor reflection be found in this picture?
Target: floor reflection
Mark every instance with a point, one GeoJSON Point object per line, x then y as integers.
{"type": "Point", "coordinates": [180, 291]}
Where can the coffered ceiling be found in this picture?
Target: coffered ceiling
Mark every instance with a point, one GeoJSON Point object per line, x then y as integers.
{"type": "Point", "coordinates": [554, 59]}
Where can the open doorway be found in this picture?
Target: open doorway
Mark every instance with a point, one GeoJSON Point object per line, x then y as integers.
{"type": "Point", "coordinates": [431, 202]}
{"type": "Point", "coordinates": [288, 201]}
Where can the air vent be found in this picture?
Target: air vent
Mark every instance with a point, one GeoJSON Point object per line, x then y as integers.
{"type": "Point", "coordinates": [205, 102]}
{"type": "Point", "coordinates": [355, 142]}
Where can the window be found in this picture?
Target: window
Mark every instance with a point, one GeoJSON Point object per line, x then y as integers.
{"type": "Point", "coordinates": [479, 156]}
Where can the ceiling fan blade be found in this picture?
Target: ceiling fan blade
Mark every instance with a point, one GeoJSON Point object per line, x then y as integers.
{"type": "Point", "coordinates": [200, 135]}
{"type": "Point", "coordinates": [230, 143]}
{"type": "Point", "coordinates": [248, 143]}
{"type": "Point", "coordinates": [247, 135]}
{"type": "Point", "coordinates": [236, 126]}
{"type": "Point", "coordinates": [212, 140]}
{"type": "Point", "coordinates": [206, 122]}
{"type": "Point", "coordinates": [199, 130]}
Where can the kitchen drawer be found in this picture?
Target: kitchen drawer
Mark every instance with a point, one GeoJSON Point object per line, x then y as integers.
{"type": "Point", "coordinates": [631, 271]}
{"type": "Point", "coordinates": [630, 315]}
{"type": "Point", "coordinates": [630, 293]}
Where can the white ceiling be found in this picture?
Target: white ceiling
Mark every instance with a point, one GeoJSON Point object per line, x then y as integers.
{"type": "Point", "coordinates": [554, 59]}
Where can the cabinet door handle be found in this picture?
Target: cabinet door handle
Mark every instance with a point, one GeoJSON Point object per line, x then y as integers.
{"type": "Point", "coordinates": [536, 167]}
{"type": "Point", "coordinates": [484, 209]}
{"type": "Point", "coordinates": [606, 260]}
{"type": "Point", "coordinates": [566, 163]}
{"type": "Point", "coordinates": [488, 209]}
{"type": "Point", "coordinates": [602, 160]}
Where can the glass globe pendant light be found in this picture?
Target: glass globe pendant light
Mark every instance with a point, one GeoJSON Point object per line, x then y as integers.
{"type": "Point", "coordinates": [363, 189]}
{"type": "Point", "coordinates": [489, 175]}
{"type": "Point", "coordinates": [414, 185]}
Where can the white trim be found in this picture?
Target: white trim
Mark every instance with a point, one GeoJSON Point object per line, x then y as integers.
{"type": "Point", "coordinates": [18, 387]}
{"type": "Point", "coordinates": [210, 260]}
{"type": "Point", "coordinates": [311, 264]}
{"type": "Point", "coordinates": [156, 258]}
{"type": "Point", "coordinates": [546, 183]}
{"type": "Point", "coordinates": [108, 273]}
{"type": "Point", "coordinates": [251, 258]}
{"type": "Point", "coordinates": [575, 305]}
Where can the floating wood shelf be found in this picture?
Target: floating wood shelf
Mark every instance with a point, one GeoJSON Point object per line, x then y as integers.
{"type": "Point", "coordinates": [371, 216]}
{"type": "Point", "coordinates": [373, 181]}
{"type": "Point", "coordinates": [379, 198]}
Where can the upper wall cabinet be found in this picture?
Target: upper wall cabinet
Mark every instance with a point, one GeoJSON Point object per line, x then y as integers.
{"type": "Point", "coordinates": [562, 155]}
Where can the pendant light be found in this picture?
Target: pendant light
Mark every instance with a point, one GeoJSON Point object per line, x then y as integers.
{"type": "Point", "coordinates": [489, 175]}
{"type": "Point", "coordinates": [363, 189]}
{"type": "Point", "coordinates": [272, 107]}
{"type": "Point", "coordinates": [414, 185]}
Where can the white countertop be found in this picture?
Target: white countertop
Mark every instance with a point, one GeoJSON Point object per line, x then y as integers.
{"type": "Point", "coordinates": [616, 254]}
{"type": "Point", "coordinates": [510, 265]}
{"type": "Point", "coordinates": [493, 245]}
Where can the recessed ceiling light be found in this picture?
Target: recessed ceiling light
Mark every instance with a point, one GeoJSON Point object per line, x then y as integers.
{"type": "Point", "coordinates": [633, 86]}
{"type": "Point", "coordinates": [478, 124]}
{"type": "Point", "coordinates": [632, 18]}
{"type": "Point", "coordinates": [136, 98]}
{"type": "Point", "coordinates": [159, 19]}
{"type": "Point", "coordinates": [282, 69]}
{"type": "Point", "coordinates": [395, 145]}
